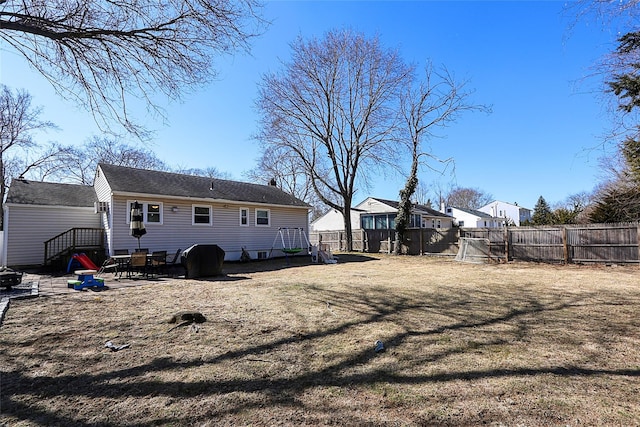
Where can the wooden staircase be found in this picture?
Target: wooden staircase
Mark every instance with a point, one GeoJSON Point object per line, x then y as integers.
{"type": "Point", "coordinates": [58, 249]}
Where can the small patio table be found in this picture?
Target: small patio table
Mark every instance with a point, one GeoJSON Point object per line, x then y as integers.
{"type": "Point", "coordinates": [85, 280]}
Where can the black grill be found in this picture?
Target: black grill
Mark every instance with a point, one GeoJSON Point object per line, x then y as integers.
{"type": "Point", "coordinates": [202, 261]}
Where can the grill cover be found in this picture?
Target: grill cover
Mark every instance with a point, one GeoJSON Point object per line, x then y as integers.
{"type": "Point", "coordinates": [202, 261]}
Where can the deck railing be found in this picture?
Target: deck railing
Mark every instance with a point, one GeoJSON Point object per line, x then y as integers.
{"type": "Point", "coordinates": [69, 241]}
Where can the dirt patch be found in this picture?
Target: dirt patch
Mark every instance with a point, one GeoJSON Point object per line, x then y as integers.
{"type": "Point", "coordinates": [287, 343]}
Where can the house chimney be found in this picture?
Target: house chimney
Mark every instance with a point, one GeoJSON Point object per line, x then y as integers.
{"type": "Point", "coordinates": [272, 182]}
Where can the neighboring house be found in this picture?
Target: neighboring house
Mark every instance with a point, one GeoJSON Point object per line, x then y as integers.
{"type": "Point", "coordinates": [374, 214]}
{"type": "Point", "coordinates": [332, 220]}
{"type": "Point", "coordinates": [511, 213]}
{"type": "Point", "coordinates": [473, 218]}
{"type": "Point", "coordinates": [179, 211]}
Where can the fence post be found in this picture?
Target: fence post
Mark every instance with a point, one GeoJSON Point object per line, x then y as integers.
{"type": "Point", "coordinates": [421, 239]}
{"type": "Point", "coordinates": [565, 245]}
{"type": "Point", "coordinates": [506, 243]}
{"type": "Point", "coordinates": [638, 241]}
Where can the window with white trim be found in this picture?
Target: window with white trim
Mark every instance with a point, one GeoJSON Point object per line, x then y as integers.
{"type": "Point", "coordinates": [151, 212]}
{"type": "Point", "coordinates": [263, 217]}
{"type": "Point", "coordinates": [244, 217]}
{"type": "Point", "coordinates": [202, 215]}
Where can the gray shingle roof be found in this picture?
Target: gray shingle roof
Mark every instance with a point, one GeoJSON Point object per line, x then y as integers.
{"type": "Point", "coordinates": [416, 208]}
{"type": "Point", "coordinates": [50, 194]}
{"type": "Point", "coordinates": [142, 181]}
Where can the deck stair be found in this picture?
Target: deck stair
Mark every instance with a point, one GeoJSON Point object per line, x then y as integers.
{"type": "Point", "coordinates": [58, 249]}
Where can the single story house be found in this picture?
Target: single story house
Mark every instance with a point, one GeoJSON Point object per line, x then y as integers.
{"type": "Point", "coordinates": [375, 213]}
{"type": "Point", "coordinates": [511, 213]}
{"type": "Point", "coordinates": [473, 218]}
{"type": "Point", "coordinates": [178, 211]}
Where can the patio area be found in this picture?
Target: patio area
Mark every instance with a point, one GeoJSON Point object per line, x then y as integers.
{"type": "Point", "coordinates": [34, 285]}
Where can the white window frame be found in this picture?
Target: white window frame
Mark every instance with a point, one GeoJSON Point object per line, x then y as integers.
{"type": "Point", "coordinates": [201, 224]}
{"type": "Point", "coordinates": [268, 211]}
{"type": "Point", "coordinates": [246, 210]}
{"type": "Point", "coordinates": [145, 211]}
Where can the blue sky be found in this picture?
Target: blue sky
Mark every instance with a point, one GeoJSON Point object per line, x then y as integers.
{"type": "Point", "coordinates": [524, 59]}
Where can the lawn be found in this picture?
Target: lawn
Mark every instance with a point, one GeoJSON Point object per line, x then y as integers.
{"type": "Point", "coordinates": [294, 344]}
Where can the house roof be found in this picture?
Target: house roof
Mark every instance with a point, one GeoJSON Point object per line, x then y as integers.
{"type": "Point", "coordinates": [416, 208]}
{"type": "Point", "coordinates": [123, 179]}
{"type": "Point", "coordinates": [26, 192]}
{"type": "Point", "coordinates": [473, 212]}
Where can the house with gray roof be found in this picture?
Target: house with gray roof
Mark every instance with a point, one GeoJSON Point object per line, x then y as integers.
{"type": "Point", "coordinates": [178, 211]}
{"type": "Point", "coordinates": [35, 212]}
{"type": "Point", "coordinates": [473, 218]}
{"type": "Point", "coordinates": [376, 214]}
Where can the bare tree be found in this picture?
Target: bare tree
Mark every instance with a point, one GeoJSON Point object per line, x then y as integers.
{"type": "Point", "coordinates": [103, 54]}
{"type": "Point", "coordinates": [423, 194]}
{"type": "Point", "coordinates": [335, 108]}
{"type": "Point", "coordinates": [44, 164]}
{"type": "Point", "coordinates": [467, 198]}
{"type": "Point", "coordinates": [605, 11]}
{"type": "Point", "coordinates": [19, 152]}
{"type": "Point", "coordinates": [437, 101]}
{"type": "Point", "coordinates": [81, 164]}
{"type": "Point", "coordinates": [209, 172]}
{"type": "Point", "coordinates": [618, 200]}
{"type": "Point", "coordinates": [286, 171]}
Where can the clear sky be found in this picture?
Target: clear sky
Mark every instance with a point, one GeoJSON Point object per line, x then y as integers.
{"type": "Point", "coordinates": [524, 59]}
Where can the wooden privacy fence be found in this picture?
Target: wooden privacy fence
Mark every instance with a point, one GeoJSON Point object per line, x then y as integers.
{"type": "Point", "coordinates": [600, 243]}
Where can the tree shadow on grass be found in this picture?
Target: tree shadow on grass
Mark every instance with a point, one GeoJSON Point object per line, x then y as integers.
{"type": "Point", "coordinates": [468, 312]}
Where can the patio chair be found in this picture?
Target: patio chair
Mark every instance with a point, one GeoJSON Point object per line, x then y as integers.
{"type": "Point", "coordinates": [158, 262]}
{"type": "Point", "coordinates": [122, 263]}
{"type": "Point", "coordinates": [175, 258]}
{"type": "Point", "coordinates": [108, 265]}
{"type": "Point", "coordinates": [171, 265]}
{"type": "Point", "coordinates": [137, 263]}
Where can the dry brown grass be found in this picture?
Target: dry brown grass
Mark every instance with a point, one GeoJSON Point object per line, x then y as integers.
{"type": "Point", "coordinates": [517, 344]}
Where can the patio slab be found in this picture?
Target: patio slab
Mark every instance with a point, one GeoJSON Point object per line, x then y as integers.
{"type": "Point", "coordinates": [35, 285]}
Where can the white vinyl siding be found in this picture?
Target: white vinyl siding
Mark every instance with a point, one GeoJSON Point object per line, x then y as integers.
{"type": "Point", "coordinates": [30, 226]}
{"type": "Point", "coordinates": [178, 231]}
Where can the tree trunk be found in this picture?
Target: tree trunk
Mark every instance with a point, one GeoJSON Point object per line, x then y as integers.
{"type": "Point", "coordinates": [403, 217]}
{"type": "Point", "coordinates": [346, 213]}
